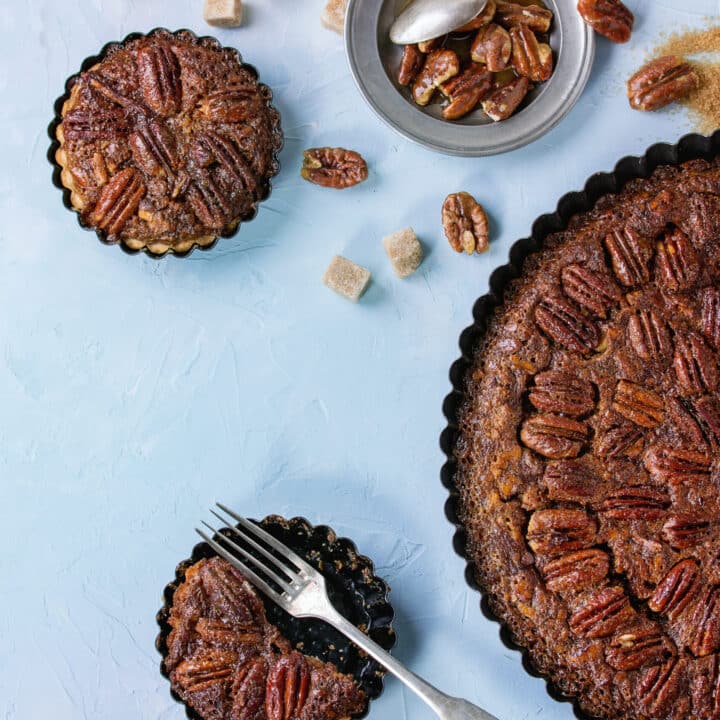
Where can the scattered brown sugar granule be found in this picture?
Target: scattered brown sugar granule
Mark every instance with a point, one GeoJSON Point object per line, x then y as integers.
{"type": "Point", "coordinates": [703, 103]}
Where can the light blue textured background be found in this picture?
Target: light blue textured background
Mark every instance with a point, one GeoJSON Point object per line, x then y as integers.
{"type": "Point", "coordinates": [134, 393]}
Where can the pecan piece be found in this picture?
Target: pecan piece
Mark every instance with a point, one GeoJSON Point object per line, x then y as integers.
{"type": "Point", "coordinates": [576, 571]}
{"type": "Point", "coordinates": [659, 687]}
{"type": "Point", "coordinates": [480, 20]}
{"type": "Point", "coordinates": [711, 315]}
{"type": "Point", "coordinates": [638, 647]}
{"type": "Point", "coordinates": [608, 17]}
{"type": "Point", "coordinates": [602, 614]}
{"type": "Point", "coordinates": [465, 91]}
{"type": "Point", "coordinates": [207, 668]}
{"type": "Point", "coordinates": [530, 58]}
{"type": "Point", "coordinates": [622, 439]}
{"type": "Point", "coordinates": [439, 67]}
{"type": "Point", "coordinates": [504, 100]}
{"type": "Point", "coordinates": [685, 530]}
{"type": "Point", "coordinates": [635, 503]}
{"type": "Point", "coordinates": [118, 201]}
{"type": "Point", "coordinates": [535, 17]}
{"type": "Point", "coordinates": [594, 291]}
{"type": "Point", "coordinates": [558, 391]}
{"type": "Point", "coordinates": [649, 336]}
{"type": "Point", "coordinates": [677, 262]}
{"type": "Point", "coordinates": [706, 624]}
{"type": "Point", "coordinates": [695, 365]}
{"type": "Point", "coordinates": [465, 223]}
{"type": "Point", "coordinates": [639, 405]}
{"type": "Point", "coordinates": [569, 481]}
{"type": "Point", "coordinates": [153, 148]}
{"type": "Point", "coordinates": [707, 419]}
{"type": "Point", "coordinates": [554, 436]}
{"type": "Point", "coordinates": [234, 103]}
{"type": "Point", "coordinates": [677, 589]}
{"type": "Point", "coordinates": [678, 465]}
{"type": "Point", "coordinates": [159, 77]}
{"type": "Point", "coordinates": [566, 325]}
{"type": "Point", "coordinates": [660, 82]}
{"type": "Point", "coordinates": [493, 47]}
{"type": "Point", "coordinates": [630, 256]}
{"type": "Point", "coordinates": [249, 689]}
{"type": "Point", "coordinates": [100, 124]}
{"type": "Point", "coordinates": [287, 687]}
{"type": "Point", "coordinates": [412, 61]}
{"type": "Point", "coordinates": [334, 167]}
{"type": "Point", "coordinates": [558, 532]}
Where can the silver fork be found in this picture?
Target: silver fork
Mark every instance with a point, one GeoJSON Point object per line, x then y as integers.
{"type": "Point", "coordinates": [300, 590]}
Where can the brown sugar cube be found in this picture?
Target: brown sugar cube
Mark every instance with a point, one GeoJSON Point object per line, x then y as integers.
{"type": "Point", "coordinates": [333, 16]}
{"type": "Point", "coordinates": [346, 278]}
{"type": "Point", "coordinates": [223, 13]}
{"type": "Point", "coordinates": [405, 252]}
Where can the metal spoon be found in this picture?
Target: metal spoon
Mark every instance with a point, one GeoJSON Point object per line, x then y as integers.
{"type": "Point", "coordinates": [427, 19]}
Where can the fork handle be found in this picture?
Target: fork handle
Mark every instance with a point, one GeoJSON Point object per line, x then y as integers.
{"type": "Point", "coordinates": [445, 706]}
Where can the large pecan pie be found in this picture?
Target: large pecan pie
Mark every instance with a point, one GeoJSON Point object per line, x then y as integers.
{"type": "Point", "coordinates": [227, 662]}
{"type": "Point", "coordinates": [167, 142]}
{"type": "Point", "coordinates": [588, 449]}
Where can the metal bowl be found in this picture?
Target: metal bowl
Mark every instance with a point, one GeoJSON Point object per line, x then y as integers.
{"type": "Point", "coordinates": [374, 61]}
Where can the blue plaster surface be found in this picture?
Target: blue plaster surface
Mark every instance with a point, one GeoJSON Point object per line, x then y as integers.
{"type": "Point", "coordinates": [134, 393]}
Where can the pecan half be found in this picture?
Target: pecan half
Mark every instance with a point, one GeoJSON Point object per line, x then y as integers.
{"type": "Point", "coordinates": [530, 58]}
{"type": "Point", "coordinates": [659, 687]}
{"type": "Point", "coordinates": [639, 405]}
{"type": "Point", "coordinates": [101, 124]}
{"type": "Point", "coordinates": [630, 256]}
{"type": "Point", "coordinates": [649, 336]}
{"type": "Point", "coordinates": [677, 262]}
{"type": "Point", "coordinates": [504, 100]}
{"type": "Point", "coordinates": [706, 688]}
{"type": "Point", "coordinates": [561, 531]}
{"type": "Point", "coordinates": [678, 465]}
{"type": "Point", "coordinates": [493, 47]}
{"type": "Point", "coordinates": [602, 614]}
{"type": "Point", "coordinates": [465, 91]}
{"type": "Point", "coordinates": [118, 201]}
{"type": "Point", "coordinates": [535, 17]}
{"type": "Point", "coordinates": [635, 503]}
{"type": "Point", "coordinates": [334, 167]}
{"type": "Point", "coordinates": [660, 82]}
{"type": "Point", "coordinates": [554, 436]}
{"type": "Point", "coordinates": [288, 684]}
{"type": "Point", "coordinates": [249, 689]}
{"type": "Point", "coordinates": [480, 20]}
{"type": "Point", "coordinates": [695, 365]}
{"type": "Point", "coordinates": [558, 391]}
{"type": "Point", "coordinates": [622, 439]}
{"type": "Point", "coordinates": [218, 632]}
{"type": "Point", "coordinates": [567, 325]}
{"type": "Point", "coordinates": [570, 481]}
{"type": "Point", "coordinates": [594, 291]}
{"type": "Point", "coordinates": [707, 418]}
{"type": "Point", "coordinates": [705, 624]}
{"type": "Point", "coordinates": [677, 589]}
{"type": "Point", "coordinates": [153, 148]}
{"type": "Point", "coordinates": [159, 77]}
{"type": "Point", "coordinates": [685, 530]}
{"type": "Point", "coordinates": [412, 61]}
{"type": "Point", "coordinates": [210, 202]}
{"type": "Point", "coordinates": [230, 593]}
{"type": "Point", "coordinates": [439, 67]}
{"type": "Point", "coordinates": [235, 103]}
{"type": "Point", "coordinates": [223, 151]}
{"type": "Point", "coordinates": [576, 571]}
{"type": "Point", "coordinates": [711, 315]}
{"type": "Point", "coordinates": [465, 223]}
{"type": "Point", "coordinates": [207, 668]}
{"type": "Point", "coordinates": [638, 647]}
{"type": "Point", "coordinates": [608, 17]}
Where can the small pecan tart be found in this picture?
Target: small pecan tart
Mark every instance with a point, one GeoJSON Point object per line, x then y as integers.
{"type": "Point", "coordinates": [167, 142]}
{"type": "Point", "coordinates": [587, 451]}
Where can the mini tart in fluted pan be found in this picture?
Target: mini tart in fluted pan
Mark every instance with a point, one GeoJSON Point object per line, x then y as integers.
{"type": "Point", "coordinates": [167, 142]}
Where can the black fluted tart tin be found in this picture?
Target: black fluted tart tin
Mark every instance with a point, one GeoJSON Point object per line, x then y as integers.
{"type": "Point", "coordinates": [89, 62]}
{"type": "Point", "coordinates": [690, 147]}
{"type": "Point", "coordinates": [354, 589]}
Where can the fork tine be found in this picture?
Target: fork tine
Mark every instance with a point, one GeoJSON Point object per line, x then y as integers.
{"type": "Point", "coordinates": [266, 569]}
{"type": "Point", "coordinates": [290, 572]}
{"type": "Point", "coordinates": [267, 538]}
{"type": "Point", "coordinates": [244, 569]}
